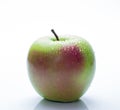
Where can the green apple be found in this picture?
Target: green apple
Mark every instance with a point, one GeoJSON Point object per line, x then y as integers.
{"type": "Point", "coordinates": [62, 68]}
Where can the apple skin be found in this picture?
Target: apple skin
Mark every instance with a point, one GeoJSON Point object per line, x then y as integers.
{"type": "Point", "coordinates": [61, 70]}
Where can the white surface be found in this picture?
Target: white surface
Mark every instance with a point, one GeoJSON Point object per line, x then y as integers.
{"type": "Point", "coordinates": [23, 21]}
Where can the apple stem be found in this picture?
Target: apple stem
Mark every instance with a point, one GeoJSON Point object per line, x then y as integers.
{"type": "Point", "coordinates": [55, 34]}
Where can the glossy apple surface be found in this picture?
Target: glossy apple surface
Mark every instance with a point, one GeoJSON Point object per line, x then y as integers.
{"type": "Point", "coordinates": [61, 70]}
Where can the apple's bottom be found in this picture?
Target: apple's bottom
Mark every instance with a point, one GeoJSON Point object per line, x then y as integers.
{"type": "Point", "coordinates": [62, 101]}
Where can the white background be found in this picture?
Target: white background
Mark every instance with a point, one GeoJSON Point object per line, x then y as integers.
{"type": "Point", "coordinates": [23, 21]}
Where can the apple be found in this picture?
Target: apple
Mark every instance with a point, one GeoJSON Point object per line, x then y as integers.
{"type": "Point", "coordinates": [62, 68]}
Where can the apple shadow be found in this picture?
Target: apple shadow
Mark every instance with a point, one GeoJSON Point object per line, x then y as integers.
{"type": "Point", "coordinates": [49, 105]}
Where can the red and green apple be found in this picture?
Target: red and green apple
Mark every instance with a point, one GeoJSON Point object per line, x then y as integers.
{"type": "Point", "coordinates": [61, 68]}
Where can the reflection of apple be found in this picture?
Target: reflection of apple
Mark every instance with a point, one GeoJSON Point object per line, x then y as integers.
{"type": "Point", "coordinates": [61, 69]}
{"type": "Point", "coordinates": [49, 105]}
